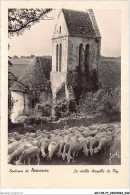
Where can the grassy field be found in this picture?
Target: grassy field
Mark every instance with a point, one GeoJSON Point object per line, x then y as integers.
{"type": "Point", "coordinates": [19, 66]}
{"type": "Point", "coordinates": [21, 61]}
{"type": "Point", "coordinates": [110, 72]}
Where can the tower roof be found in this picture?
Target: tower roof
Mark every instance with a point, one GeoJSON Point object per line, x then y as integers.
{"type": "Point", "coordinates": [36, 76]}
{"type": "Point", "coordinates": [81, 24]}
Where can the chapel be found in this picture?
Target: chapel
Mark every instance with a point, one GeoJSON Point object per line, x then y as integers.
{"type": "Point", "coordinates": [76, 42]}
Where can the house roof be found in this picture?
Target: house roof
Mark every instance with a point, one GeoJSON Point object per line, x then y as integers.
{"type": "Point", "coordinates": [35, 77]}
{"type": "Point", "coordinates": [81, 23]}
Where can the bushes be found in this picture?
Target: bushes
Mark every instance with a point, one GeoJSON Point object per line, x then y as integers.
{"type": "Point", "coordinates": [65, 108]}
{"type": "Point", "coordinates": [39, 111]}
{"type": "Point", "coordinates": [42, 110]}
{"type": "Point", "coordinates": [101, 102]}
{"type": "Point", "coordinates": [82, 82]}
{"type": "Point", "coordinates": [32, 123]}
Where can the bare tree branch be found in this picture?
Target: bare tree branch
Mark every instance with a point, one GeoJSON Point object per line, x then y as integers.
{"type": "Point", "coordinates": [21, 19]}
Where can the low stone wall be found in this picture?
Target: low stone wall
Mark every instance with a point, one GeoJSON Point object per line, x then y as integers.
{"type": "Point", "coordinates": [81, 121]}
{"type": "Point", "coordinates": [70, 122]}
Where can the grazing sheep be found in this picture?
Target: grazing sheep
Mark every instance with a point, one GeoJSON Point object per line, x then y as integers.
{"type": "Point", "coordinates": [86, 146]}
{"type": "Point", "coordinates": [35, 143]}
{"type": "Point", "coordinates": [18, 137]}
{"type": "Point", "coordinates": [104, 142]}
{"type": "Point", "coordinates": [28, 155]}
{"type": "Point", "coordinates": [44, 146]}
{"type": "Point", "coordinates": [93, 133]}
{"type": "Point", "coordinates": [116, 147]}
{"type": "Point", "coordinates": [16, 153]}
{"type": "Point", "coordinates": [12, 147]}
{"type": "Point", "coordinates": [65, 150]}
{"type": "Point", "coordinates": [94, 141]}
{"type": "Point", "coordinates": [33, 135]}
{"type": "Point", "coordinates": [102, 127]}
{"type": "Point", "coordinates": [74, 149]}
{"type": "Point", "coordinates": [61, 147]}
{"type": "Point", "coordinates": [52, 149]}
{"type": "Point", "coordinates": [11, 140]}
{"type": "Point", "coordinates": [64, 143]}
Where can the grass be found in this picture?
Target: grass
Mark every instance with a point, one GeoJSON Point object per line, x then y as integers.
{"type": "Point", "coordinates": [110, 72]}
{"type": "Point", "coordinates": [21, 61]}
{"type": "Point", "coordinates": [19, 66]}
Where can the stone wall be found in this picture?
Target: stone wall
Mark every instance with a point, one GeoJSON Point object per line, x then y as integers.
{"type": "Point", "coordinates": [60, 36]}
{"type": "Point", "coordinates": [27, 102]}
{"type": "Point", "coordinates": [45, 98]}
{"type": "Point", "coordinates": [57, 79]}
{"type": "Point", "coordinates": [60, 23]}
{"type": "Point", "coordinates": [64, 42]}
{"type": "Point", "coordinates": [18, 106]}
{"type": "Point", "coordinates": [22, 103]}
{"type": "Point", "coordinates": [73, 51]}
{"type": "Point", "coordinates": [80, 121]}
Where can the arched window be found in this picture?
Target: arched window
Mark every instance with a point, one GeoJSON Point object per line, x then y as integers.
{"type": "Point", "coordinates": [60, 57]}
{"type": "Point", "coordinates": [57, 57]}
{"type": "Point", "coordinates": [81, 57]}
{"type": "Point", "coordinates": [87, 58]}
{"type": "Point", "coordinates": [60, 29]}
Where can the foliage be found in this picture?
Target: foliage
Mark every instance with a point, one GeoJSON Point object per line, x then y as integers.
{"type": "Point", "coordinates": [30, 120]}
{"type": "Point", "coordinates": [42, 110]}
{"type": "Point", "coordinates": [45, 65]}
{"type": "Point", "coordinates": [65, 108]}
{"type": "Point", "coordinates": [31, 123]}
{"type": "Point", "coordinates": [104, 102]}
{"type": "Point", "coordinates": [15, 56]}
{"type": "Point", "coordinates": [82, 82]}
{"type": "Point", "coordinates": [39, 110]}
{"type": "Point", "coordinates": [110, 72]}
{"type": "Point", "coordinates": [21, 19]}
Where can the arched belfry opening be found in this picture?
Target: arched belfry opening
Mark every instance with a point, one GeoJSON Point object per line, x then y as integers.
{"type": "Point", "coordinates": [81, 57]}
{"type": "Point", "coordinates": [87, 58]}
{"type": "Point", "coordinates": [57, 57]}
{"type": "Point", "coordinates": [60, 29]}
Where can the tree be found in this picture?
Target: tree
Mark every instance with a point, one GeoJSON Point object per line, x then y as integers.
{"type": "Point", "coordinates": [18, 21]}
{"type": "Point", "coordinates": [21, 19]}
{"type": "Point", "coordinates": [32, 56]}
{"type": "Point", "coordinates": [15, 56]}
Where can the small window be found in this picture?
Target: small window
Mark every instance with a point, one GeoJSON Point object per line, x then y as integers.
{"type": "Point", "coordinates": [57, 57]}
{"type": "Point", "coordinates": [60, 57]}
{"type": "Point", "coordinates": [60, 29]}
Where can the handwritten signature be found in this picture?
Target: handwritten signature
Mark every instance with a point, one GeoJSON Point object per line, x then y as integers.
{"type": "Point", "coordinates": [114, 155]}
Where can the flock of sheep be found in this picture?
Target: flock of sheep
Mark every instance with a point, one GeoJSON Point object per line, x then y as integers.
{"type": "Point", "coordinates": [65, 143]}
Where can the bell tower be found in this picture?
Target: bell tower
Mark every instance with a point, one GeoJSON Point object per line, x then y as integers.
{"type": "Point", "coordinates": [59, 59]}
{"type": "Point", "coordinates": [76, 44]}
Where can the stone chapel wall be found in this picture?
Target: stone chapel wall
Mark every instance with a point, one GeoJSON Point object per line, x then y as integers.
{"type": "Point", "coordinates": [73, 51]}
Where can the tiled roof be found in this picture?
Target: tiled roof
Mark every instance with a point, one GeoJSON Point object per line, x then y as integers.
{"type": "Point", "coordinates": [81, 23]}
{"type": "Point", "coordinates": [36, 77]}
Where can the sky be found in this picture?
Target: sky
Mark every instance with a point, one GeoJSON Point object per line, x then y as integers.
{"type": "Point", "coordinates": [38, 40]}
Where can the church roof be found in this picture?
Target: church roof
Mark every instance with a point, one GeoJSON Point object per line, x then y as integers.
{"type": "Point", "coordinates": [81, 23]}
{"type": "Point", "coordinates": [36, 76]}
